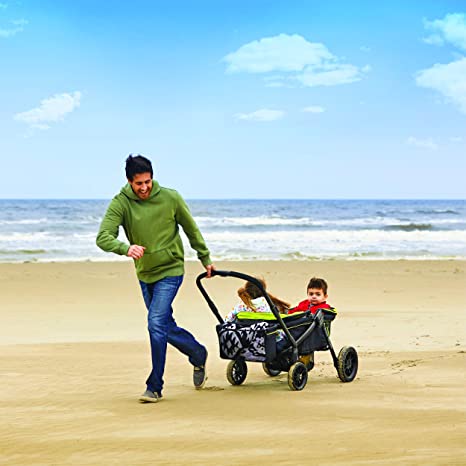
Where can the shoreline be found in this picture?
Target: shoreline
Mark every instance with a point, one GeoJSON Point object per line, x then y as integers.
{"type": "Point", "coordinates": [362, 258]}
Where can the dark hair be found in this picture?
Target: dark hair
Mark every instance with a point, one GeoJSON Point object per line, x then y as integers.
{"type": "Point", "coordinates": [137, 164]}
{"type": "Point", "coordinates": [318, 284]}
{"type": "Point", "coordinates": [251, 291]}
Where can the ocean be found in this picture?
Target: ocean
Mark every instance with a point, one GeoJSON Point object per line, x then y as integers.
{"type": "Point", "coordinates": [65, 230]}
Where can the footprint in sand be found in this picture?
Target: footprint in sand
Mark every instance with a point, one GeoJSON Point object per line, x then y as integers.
{"type": "Point", "coordinates": [402, 365]}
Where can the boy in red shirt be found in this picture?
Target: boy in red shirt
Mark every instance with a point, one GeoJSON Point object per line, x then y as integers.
{"type": "Point", "coordinates": [317, 296]}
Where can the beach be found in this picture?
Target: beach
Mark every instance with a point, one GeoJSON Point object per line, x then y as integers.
{"type": "Point", "coordinates": [75, 355]}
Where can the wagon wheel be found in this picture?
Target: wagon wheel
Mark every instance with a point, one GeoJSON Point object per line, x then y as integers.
{"type": "Point", "coordinates": [237, 371]}
{"type": "Point", "coordinates": [347, 364]}
{"type": "Point", "coordinates": [269, 371]}
{"type": "Point", "coordinates": [297, 376]}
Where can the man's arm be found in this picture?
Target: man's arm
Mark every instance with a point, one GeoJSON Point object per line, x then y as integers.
{"type": "Point", "coordinates": [108, 232]}
{"type": "Point", "coordinates": [184, 218]}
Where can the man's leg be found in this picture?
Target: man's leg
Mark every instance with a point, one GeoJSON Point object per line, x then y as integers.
{"type": "Point", "coordinates": [158, 298]}
{"type": "Point", "coordinates": [185, 342]}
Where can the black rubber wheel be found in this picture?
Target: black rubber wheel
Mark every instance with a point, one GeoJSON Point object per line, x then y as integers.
{"type": "Point", "coordinates": [347, 364]}
{"type": "Point", "coordinates": [297, 376]}
{"type": "Point", "coordinates": [269, 371]}
{"type": "Point", "coordinates": [237, 371]}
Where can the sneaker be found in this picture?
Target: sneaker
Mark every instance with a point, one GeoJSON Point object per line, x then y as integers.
{"type": "Point", "coordinates": [199, 375]}
{"type": "Point", "coordinates": [150, 397]}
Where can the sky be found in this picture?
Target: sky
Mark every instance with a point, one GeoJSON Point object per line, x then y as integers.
{"type": "Point", "coordinates": [244, 99]}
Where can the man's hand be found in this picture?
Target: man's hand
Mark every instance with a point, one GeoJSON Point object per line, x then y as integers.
{"type": "Point", "coordinates": [135, 251]}
{"type": "Point", "coordinates": [209, 268]}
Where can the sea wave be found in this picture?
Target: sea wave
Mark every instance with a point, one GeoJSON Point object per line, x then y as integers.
{"type": "Point", "coordinates": [410, 227]}
{"type": "Point", "coordinates": [28, 221]}
{"type": "Point", "coordinates": [32, 236]}
{"type": "Point", "coordinates": [437, 212]}
{"type": "Point", "coordinates": [9, 252]}
{"type": "Point", "coordinates": [275, 221]}
{"type": "Point", "coordinates": [249, 230]}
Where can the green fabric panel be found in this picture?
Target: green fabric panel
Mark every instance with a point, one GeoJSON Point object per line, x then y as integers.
{"type": "Point", "coordinates": [257, 316]}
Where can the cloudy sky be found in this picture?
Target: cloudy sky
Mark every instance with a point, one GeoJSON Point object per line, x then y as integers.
{"type": "Point", "coordinates": [234, 99]}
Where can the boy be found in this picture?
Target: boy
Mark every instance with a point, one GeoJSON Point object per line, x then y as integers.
{"type": "Point", "coordinates": [317, 296]}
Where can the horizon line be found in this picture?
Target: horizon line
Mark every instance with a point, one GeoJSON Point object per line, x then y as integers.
{"type": "Point", "coordinates": [247, 199]}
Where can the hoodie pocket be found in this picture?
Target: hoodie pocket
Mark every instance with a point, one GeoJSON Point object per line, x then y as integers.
{"type": "Point", "coordinates": [154, 260]}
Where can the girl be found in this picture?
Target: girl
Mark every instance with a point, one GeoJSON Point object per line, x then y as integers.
{"type": "Point", "coordinates": [252, 300]}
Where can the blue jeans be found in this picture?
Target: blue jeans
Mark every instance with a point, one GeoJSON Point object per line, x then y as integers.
{"type": "Point", "coordinates": [162, 327]}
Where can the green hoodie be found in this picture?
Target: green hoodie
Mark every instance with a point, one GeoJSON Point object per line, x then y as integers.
{"type": "Point", "coordinates": [152, 223]}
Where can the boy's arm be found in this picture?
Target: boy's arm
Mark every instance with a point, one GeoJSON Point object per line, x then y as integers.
{"type": "Point", "coordinates": [108, 231]}
{"type": "Point", "coordinates": [301, 307]}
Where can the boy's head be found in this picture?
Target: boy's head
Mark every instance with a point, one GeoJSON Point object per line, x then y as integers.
{"type": "Point", "coordinates": [317, 290]}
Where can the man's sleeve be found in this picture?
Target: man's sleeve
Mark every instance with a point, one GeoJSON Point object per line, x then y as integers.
{"type": "Point", "coordinates": [108, 232]}
{"type": "Point", "coordinates": [184, 218]}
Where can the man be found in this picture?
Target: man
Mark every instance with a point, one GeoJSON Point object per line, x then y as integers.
{"type": "Point", "coordinates": [150, 216]}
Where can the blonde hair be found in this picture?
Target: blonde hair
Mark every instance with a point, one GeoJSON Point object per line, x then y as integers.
{"type": "Point", "coordinates": [251, 291]}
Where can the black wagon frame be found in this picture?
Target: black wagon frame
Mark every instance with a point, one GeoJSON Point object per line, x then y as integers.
{"type": "Point", "coordinates": [346, 363]}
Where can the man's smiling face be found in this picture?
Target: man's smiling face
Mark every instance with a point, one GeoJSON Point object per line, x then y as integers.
{"type": "Point", "coordinates": [142, 185]}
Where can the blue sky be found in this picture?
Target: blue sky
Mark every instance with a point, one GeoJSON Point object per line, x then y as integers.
{"type": "Point", "coordinates": [234, 99]}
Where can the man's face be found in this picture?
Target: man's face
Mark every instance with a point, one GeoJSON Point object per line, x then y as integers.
{"type": "Point", "coordinates": [142, 185]}
{"type": "Point", "coordinates": [316, 296]}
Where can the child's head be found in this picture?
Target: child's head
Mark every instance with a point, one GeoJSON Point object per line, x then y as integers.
{"type": "Point", "coordinates": [317, 290]}
{"type": "Point", "coordinates": [251, 291]}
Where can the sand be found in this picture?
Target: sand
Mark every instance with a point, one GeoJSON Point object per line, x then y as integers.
{"type": "Point", "coordinates": [74, 357]}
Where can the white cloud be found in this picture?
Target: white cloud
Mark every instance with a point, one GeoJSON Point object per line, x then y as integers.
{"type": "Point", "coordinates": [18, 26]}
{"type": "Point", "coordinates": [329, 75]}
{"type": "Point", "coordinates": [277, 81]}
{"type": "Point", "coordinates": [433, 40]}
{"type": "Point", "coordinates": [20, 22]}
{"type": "Point", "coordinates": [278, 53]}
{"type": "Point", "coordinates": [263, 114]}
{"type": "Point", "coordinates": [449, 80]}
{"type": "Point", "coordinates": [51, 110]}
{"type": "Point", "coordinates": [452, 29]}
{"type": "Point", "coordinates": [313, 109]}
{"type": "Point", "coordinates": [422, 143]}
{"type": "Point", "coordinates": [309, 64]}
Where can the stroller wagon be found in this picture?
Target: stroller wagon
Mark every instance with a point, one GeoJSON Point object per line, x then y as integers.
{"type": "Point", "coordinates": [252, 338]}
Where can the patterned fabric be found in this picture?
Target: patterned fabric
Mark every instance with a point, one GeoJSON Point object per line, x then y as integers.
{"type": "Point", "coordinates": [240, 341]}
{"type": "Point", "coordinates": [260, 305]}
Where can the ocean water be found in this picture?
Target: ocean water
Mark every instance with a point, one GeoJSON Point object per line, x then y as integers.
{"type": "Point", "coordinates": [65, 230]}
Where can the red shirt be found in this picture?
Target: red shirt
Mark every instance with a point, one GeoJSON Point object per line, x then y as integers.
{"type": "Point", "coordinates": [306, 306]}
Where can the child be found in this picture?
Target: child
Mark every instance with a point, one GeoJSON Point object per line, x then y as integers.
{"type": "Point", "coordinates": [252, 300]}
{"type": "Point", "coordinates": [317, 296]}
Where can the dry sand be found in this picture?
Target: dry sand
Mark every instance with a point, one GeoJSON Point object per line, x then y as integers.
{"type": "Point", "coordinates": [74, 357]}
